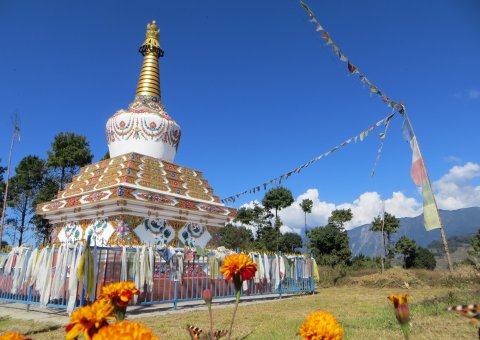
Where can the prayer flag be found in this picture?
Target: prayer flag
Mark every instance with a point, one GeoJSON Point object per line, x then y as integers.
{"type": "Point", "coordinates": [352, 68]}
{"type": "Point", "coordinates": [335, 49]}
{"type": "Point", "coordinates": [17, 131]}
{"type": "Point", "coordinates": [431, 217]}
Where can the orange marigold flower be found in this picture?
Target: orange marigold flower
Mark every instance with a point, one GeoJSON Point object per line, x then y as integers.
{"type": "Point", "coordinates": [12, 336]}
{"type": "Point", "coordinates": [400, 304]}
{"type": "Point", "coordinates": [119, 293]}
{"type": "Point", "coordinates": [321, 325]}
{"type": "Point", "coordinates": [88, 320]}
{"type": "Point", "coordinates": [125, 330]}
{"type": "Point", "coordinates": [398, 299]}
{"type": "Point", "coordinates": [239, 265]}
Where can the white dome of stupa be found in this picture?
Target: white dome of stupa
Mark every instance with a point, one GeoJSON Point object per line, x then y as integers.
{"type": "Point", "coordinates": [145, 128]}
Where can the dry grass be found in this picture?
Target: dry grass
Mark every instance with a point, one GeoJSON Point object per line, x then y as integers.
{"type": "Point", "coordinates": [360, 306]}
{"type": "Point", "coordinates": [27, 327]}
{"type": "Point", "coordinates": [365, 313]}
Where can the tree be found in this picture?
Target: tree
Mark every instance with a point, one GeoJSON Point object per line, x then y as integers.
{"type": "Point", "coordinates": [233, 237]}
{"type": "Point", "coordinates": [25, 185]}
{"type": "Point", "coordinates": [390, 225]}
{"type": "Point", "coordinates": [329, 245]}
{"type": "Point", "coordinates": [340, 216]}
{"type": "Point", "coordinates": [475, 242]}
{"type": "Point", "coordinates": [306, 206]}
{"type": "Point", "coordinates": [424, 258]}
{"type": "Point", "coordinates": [2, 182]}
{"type": "Point", "coordinates": [106, 156]}
{"type": "Point", "coordinates": [46, 192]}
{"type": "Point", "coordinates": [289, 242]}
{"type": "Point", "coordinates": [69, 152]}
{"type": "Point", "coordinates": [257, 217]}
{"type": "Point", "coordinates": [268, 240]}
{"type": "Point", "coordinates": [408, 249]}
{"type": "Point", "coordinates": [277, 198]}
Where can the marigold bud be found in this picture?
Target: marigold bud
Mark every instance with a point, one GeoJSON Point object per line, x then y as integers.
{"type": "Point", "coordinates": [402, 312]}
{"type": "Point", "coordinates": [207, 296]}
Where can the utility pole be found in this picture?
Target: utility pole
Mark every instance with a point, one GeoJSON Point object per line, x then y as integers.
{"type": "Point", "coordinates": [383, 237]}
{"type": "Point", "coordinates": [16, 133]}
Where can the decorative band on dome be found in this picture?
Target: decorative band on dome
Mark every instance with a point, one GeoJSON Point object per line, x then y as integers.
{"type": "Point", "coordinates": [147, 98]}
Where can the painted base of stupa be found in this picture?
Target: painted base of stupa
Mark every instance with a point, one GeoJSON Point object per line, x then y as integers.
{"type": "Point", "coordinates": [135, 199]}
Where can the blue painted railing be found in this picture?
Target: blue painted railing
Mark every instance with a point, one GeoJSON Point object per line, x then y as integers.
{"type": "Point", "coordinates": [165, 288]}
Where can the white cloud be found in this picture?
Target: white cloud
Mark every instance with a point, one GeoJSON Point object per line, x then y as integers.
{"type": "Point", "coordinates": [251, 204]}
{"type": "Point", "coordinates": [364, 209]}
{"type": "Point", "coordinates": [294, 215]}
{"type": "Point", "coordinates": [455, 189]}
{"type": "Point", "coordinates": [286, 229]}
{"type": "Point", "coordinates": [453, 159]}
{"type": "Point", "coordinates": [473, 94]}
{"type": "Point", "coordinates": [403, 206]}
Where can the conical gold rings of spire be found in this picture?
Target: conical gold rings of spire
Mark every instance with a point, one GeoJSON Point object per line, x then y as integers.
{"type": "Point", "coordinates": [149, 81]}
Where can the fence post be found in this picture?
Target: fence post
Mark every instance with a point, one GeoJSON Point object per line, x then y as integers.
{"type": "Point", "coordinates": [278, 268]}
{"type": "Point", "coordinates": [82, 295]}
{"type": "Point", "coordinates": [175, 292]}
{"type": "Point", "coordinates": [29, 297]}
{"type": "Point", "coordinates": [312, 277]}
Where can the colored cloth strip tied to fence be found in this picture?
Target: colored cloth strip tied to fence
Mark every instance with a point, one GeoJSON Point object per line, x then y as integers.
{"type": "Point", "coordinates": [69, 276]}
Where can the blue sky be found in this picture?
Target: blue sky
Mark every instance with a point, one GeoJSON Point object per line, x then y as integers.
{"type": "Point", "coordinates": [257, 93]}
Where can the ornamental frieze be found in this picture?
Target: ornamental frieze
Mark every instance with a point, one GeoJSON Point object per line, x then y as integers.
{"type": "Point", "coordinates": [96, 196]}
{"type": "Point", "coordinates": [213, 209]}
{"type": "Point", "coordinates": [197, 195]}
{"type": "Point", "coordinates": [161, 199]}
{"type": "Point", "coordinates": [54, 205]}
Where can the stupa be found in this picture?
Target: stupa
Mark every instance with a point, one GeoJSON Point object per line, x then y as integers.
{"type": "Point", "coordinates": [139, 196]}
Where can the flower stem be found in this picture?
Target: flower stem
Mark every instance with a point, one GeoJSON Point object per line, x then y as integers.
{"type": "Point", "coordinates": [211, 319]}
{"type": "Point", "coordinates": [406, 331]}
{"type": "Point", "coordinates": [237, 301]}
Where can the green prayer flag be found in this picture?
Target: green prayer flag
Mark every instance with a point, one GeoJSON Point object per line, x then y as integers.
{"type": "Point", "coordinates": [431, 218]}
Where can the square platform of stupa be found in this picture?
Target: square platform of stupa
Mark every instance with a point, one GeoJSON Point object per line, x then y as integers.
{"type": "Point", "coordinates": [139, 196]}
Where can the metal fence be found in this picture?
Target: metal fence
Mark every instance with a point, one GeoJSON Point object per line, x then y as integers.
{"type": "Point", "coordinates": [167, 287]}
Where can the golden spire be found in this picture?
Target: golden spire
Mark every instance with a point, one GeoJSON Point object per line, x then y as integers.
{"type": "Point", "coordinates": [149, 82]}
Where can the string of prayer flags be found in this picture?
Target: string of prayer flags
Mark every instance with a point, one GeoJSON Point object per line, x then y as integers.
{"type": "Point", "coordinates": [431, 217]}
{"type": "Point", "coordinates": [297, 170]}
{"type": "Point", "coordinates": [382, 137]}
{"type": "Point", "coordinates": [350, 66]}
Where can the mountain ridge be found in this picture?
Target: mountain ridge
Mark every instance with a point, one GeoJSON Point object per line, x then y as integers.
{"type": "Point", "coordinates": [456, 222]}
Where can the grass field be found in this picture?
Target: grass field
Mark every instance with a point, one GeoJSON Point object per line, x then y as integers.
{"type": "Point", "coordinates": [364, 312]}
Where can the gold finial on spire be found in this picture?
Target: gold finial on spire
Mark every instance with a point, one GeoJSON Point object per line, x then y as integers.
{"type": "Point", "coordinates": [149, 82]}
